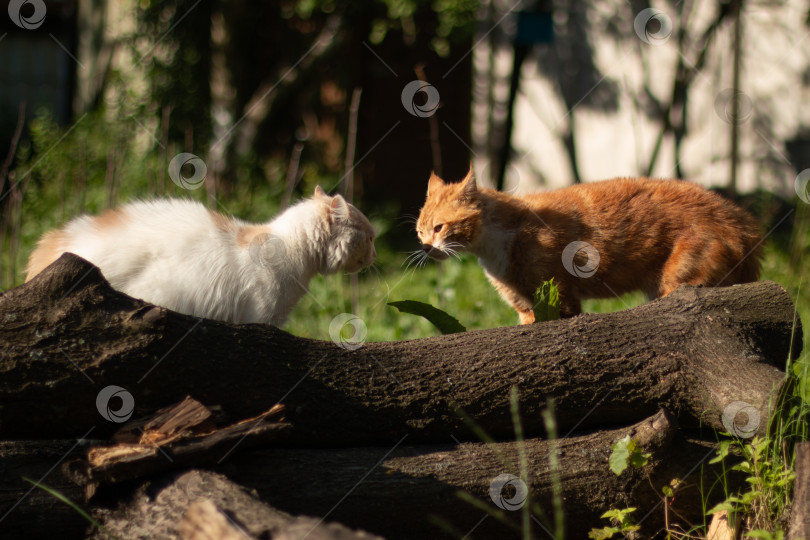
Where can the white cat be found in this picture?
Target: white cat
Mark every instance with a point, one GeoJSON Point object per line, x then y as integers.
{"type": "Point", "coordinates": [178, 254]}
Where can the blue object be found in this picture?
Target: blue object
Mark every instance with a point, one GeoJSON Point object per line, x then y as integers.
{"type": "Point", "coordinates": [534, 27]}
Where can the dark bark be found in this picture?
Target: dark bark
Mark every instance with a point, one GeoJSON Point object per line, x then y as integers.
{"type": "Point", "coordinates": [181, 436]}
{"type": "Point", "coordinates": [66, 335]}
{"type": "Point", "coordinates": [403, 491]}
{"type": "Point", "coordinates": [153, 509]}
{"type": "Point", "coordinates": [408, 492]}
{"type": "Point", "coordinates": [175, 509]}
{"type": "Point", "coordinates": [27, 511]}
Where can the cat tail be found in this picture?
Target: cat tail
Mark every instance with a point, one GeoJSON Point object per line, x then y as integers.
{"type": "Point", "coordinates": [49, 248]}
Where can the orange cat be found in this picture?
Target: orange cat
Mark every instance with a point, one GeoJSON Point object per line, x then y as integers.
{"type": "Point", "coordinates": [596, 240]}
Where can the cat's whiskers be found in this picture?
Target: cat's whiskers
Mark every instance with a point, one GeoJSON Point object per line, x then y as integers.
{"type": "Point", "coordinates": [414, 258]}
{"type": "Point", "coordinates": [409, 218]}
{"type": "Point", "coordinates": [451, 248]}
{"type": "Point", "coordinates": [408, 260]}
{"type": "Point", "coordinates": [452, 252]}
{"type": "Point", "coordinates": [418, 258]}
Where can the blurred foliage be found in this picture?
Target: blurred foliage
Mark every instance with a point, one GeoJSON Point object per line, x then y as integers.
{"type": "Point", "coordinates": [269, 47]}
{"type": "Point", "coordinates": [448, 20]}
{"type": "Point", "coordinates": [178, 65]}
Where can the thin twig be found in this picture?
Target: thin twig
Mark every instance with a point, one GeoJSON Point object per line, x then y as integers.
{"type": "Point", "coordinates": [16, 199]}
{"type": "Point", "coordinates": [433, 122]}
{"type": "Point", "coordinates": [351, 145]}
{"type": "Point", "coordinates": [10, 205]}
{"type": "Point", "coordinates": [348, 191]}
{"type": "Point", "coordinates": [735, 97]}
{"type": "Point", "coordinates": [292, 174]}
{"type": "Point", "coordinates": [164, 126]}
{"type": "Point", "coordinates": [12, 150]}
{"type": "Point", "coordinates": [109, 179]}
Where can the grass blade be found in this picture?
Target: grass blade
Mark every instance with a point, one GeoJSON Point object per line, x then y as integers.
{"type": "Point", "coordinates": [70, 503]}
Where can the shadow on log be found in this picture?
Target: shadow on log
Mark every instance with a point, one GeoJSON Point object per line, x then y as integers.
{"type": "Point", "coordinates": [401, 492]}
{"type": "Point", "coordinates": [180, 436]}
{"type": "Point", "coordinates": [406, 493]}
{"type": "Point", "coordinates": [202, 505]}
{"type": "Point", "coordinates": [66, 335]}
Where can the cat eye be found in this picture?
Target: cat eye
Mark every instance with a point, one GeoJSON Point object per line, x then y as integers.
{"type": "Point", "coordinates": [438, 227]}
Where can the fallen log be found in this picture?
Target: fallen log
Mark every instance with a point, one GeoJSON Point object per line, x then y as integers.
{"type": "Point", "coordinates": [203, 505]}
{"type": "Point", "coordinates": [412, 491]}
{"type": "Point", "coordinates": [177, 437]}
{"type": "Point", "coordinates": [203, 520]}
{"type": "Point", "coordinates": [66, 335]}
{"type": "Point", "coordinates": [23, 505]}
{"type": "Point", "coordinates": [29, 511]}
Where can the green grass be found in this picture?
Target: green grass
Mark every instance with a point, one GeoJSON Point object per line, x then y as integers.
{"type": "Point", "coordinates": [458, 287]}
{"type": "Point", "coordinates": [461, 289]}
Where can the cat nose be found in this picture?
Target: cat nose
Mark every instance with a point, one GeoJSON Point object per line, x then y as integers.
{"type": "Point", "coordinates": [427, 248]}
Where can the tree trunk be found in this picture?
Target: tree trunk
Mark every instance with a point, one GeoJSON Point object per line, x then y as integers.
{"type": "Point", "coordinates": [206, 505]}
{"type": "Point", "coordinates": [23, 505]}
{"type": "Point", "coordinates": [404, 491]}
{"type": "Point", "coordinates": [66, 335]}
{"type": "Point", "coordinates": [158, 508]}
{"type": "Point", "coordinates": [430, 491]}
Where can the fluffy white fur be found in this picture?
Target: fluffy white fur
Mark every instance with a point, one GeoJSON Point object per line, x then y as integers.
{"type": "Point", "coordinates": [177, 254]}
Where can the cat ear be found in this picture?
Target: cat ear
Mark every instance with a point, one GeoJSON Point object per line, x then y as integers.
{"type": "Point", "coordinates": [469, 188]}
{"type": "Point", "coordinates": [339, 207]}
{"type": "Point", "coordinates": [434, 183]}
{"type": "Point", "coordinates": [319, 192]}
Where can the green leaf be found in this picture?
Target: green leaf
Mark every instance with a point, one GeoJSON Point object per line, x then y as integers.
{"type": "Point", "coordinates": [724, 506]}
{"type": "Point", "coordinates": [743, 466]}
{"type": "Point", "coordinates": [446, 323]}
{"type": "Point", "coordinates": [620, 456]}
{"type": "Point", "coordinates": [750, 496]}
{"type": "Point", "coordinates": [722, 452]}
{"type": "Point", "coordinates": [547, 302]}
{"type": "Point", "coordinates": [638, 458]}
{"type": "Point", "coordinates": [604, 533]}
{"type": "Point", "coordinates": [667, 491]}
{"type": "Point", "coordinates": [767, 535]}
{"type": "Point", "coordinates": [619, 514]}
{"type": "Point", "coordinates": [627, 452]}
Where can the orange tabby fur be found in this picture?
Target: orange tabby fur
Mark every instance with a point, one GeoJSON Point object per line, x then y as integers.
{"type": "Point", "coordinates": [652, 235]}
